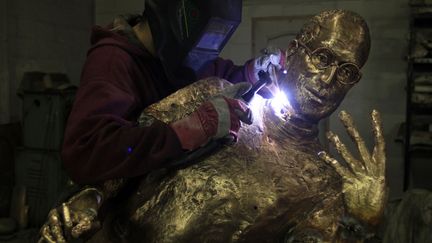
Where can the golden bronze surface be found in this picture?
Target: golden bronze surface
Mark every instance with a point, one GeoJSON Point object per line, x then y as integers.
{"type": "Point", "coordinates": [313, 93]}
{"type": "Point", "coordinates": [75, 217]}
{"type": "Point", "coordinates": [275, 184]}
{"type": "Point", "coordinates": [270, 186]}
{"type": "Point", "coordinates": [267, 186]}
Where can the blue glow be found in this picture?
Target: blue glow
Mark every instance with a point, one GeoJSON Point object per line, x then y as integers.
{"type": "Point", "coordinates": [129, 150]}
{"type": "Point", "coordinates": [285, 71]}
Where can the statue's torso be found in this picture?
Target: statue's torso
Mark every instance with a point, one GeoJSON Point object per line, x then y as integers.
{"type": "Point", "coordinates": [233, 195]}
{"type": "Point", "coordinates": [258, 190]}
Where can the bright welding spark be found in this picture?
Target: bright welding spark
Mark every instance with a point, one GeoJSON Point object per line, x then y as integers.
{"type": "Point", "coordinates": [280, 103]}
{"type": "Point", "coordinates": [255, 104]}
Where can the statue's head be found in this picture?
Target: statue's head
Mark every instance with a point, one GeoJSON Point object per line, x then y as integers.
{"type": "Point", "coordinates": [324, 62]}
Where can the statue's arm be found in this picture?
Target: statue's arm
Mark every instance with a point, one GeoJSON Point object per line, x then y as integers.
{"type": "Point", "coordinates": [78, 216]}
{"type": "Point", "coordinates": [364, 184]}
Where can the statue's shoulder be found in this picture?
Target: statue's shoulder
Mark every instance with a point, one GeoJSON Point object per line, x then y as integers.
{"type": "Point", "coordinates": [185, 100]}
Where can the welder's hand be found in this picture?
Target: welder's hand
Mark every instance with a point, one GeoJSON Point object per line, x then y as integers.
{"type": "Point", "coordinates": [73, 219]}
{"type": "Point", "coordinates": [271, 61]}
{"type": "Point", "coordinates": [364, 184]}
{"type": "Point", "coordinates": [215, 119]}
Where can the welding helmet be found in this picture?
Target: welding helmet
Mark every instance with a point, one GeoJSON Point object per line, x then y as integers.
{"type": "Point", "coordinates": [190, 33]}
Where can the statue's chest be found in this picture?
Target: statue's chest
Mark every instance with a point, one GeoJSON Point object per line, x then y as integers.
{"type": "Point", "coordinates": [282, 172]}
{"type": "Point", "coordinates": [253, 180]}
{"type": "Point", "coordinates": [231, 191]}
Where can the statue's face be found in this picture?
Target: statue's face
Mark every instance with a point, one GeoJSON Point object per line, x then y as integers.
{"type": "Point", "coordinates": [322, 70]}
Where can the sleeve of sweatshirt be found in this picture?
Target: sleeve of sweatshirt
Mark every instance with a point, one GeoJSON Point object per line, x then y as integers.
{"type": "Point", "coordinates": [100, 142]}
{"type": "Point", "coordinates": [226, 69]}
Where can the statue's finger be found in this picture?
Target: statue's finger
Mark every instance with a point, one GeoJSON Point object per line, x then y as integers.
{"type": "Point", "coordinates": [85, 222]}
{"type": "Point", "coordinates": [46, 235]}
{"type": "Point", "coordinates": [341, 170]}
{"type": "Point", "coordinates": [355, 136]}
{"type": "Point", "coordinates": [55, 226]}
{"type": "Point", "coordinates": [67, 219]}
{"type": "Point", "coordinates": [379, 154]}
{"type": "Point", "coordinates": [83, 226]}
{"type": "Point", "coordinates": [75, 216]}
{"type": "Point", "coordinates": [343, 151]}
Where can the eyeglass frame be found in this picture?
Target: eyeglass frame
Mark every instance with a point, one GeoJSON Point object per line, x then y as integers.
{"type": "Point", "coordinates": [310, 53]}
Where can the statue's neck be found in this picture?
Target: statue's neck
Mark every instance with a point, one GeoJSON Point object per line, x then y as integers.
{"type": "Point", "coordinates": [296, 130]}
{"type": "Point", "coordinates": [299, 129]}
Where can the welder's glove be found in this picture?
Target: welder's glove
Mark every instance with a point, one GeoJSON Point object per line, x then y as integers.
{"type": "Point", "coordinates": [272, 60]}
{"type": "Point", "coordinates": [217, 118]}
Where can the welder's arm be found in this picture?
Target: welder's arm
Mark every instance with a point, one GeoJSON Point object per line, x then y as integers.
{"type": "Point", "coordinates": [364, 184]}
{"type": "Point", "coordinates": [102, 138]}
{"type": "Point", "coordinates": [217, 118]}
{"type": "Point", "coordinates": [271, 61]}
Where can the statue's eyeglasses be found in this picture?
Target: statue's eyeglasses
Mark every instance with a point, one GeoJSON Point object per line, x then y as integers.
{"type": "Point", "coordinates": [323, 57]}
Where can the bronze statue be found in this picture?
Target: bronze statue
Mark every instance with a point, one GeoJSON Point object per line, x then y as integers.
{"type": "Point", "coordinates": [276, 184]}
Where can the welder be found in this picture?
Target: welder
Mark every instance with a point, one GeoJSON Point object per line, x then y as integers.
{"type": "Point", "coordinates": [139, 60]}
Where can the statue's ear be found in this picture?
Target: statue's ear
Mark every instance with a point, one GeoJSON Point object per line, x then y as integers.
{"type": "Point", "coordinates": [309, 32]}
{"type": "Point", "coordinates": [291, 48]}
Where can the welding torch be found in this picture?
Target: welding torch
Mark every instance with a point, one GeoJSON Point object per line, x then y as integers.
{"type": "Point", "coordinates": [264, 79]}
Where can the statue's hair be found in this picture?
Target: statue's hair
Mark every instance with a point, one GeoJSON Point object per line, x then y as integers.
{"type": "Point", "coordinates": [311, 29]}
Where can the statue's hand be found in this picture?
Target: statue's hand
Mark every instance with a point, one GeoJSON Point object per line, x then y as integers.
{"type": "Point", "coordinates": [74, 218]}
{"type": "Point", "coordinates": [364, 185]}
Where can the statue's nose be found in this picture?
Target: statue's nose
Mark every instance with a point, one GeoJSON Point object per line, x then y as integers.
{"type": "Point", "coordinates": [328, 74]}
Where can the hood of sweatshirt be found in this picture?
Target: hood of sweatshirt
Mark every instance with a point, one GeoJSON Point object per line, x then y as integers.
{"type": "Point", "coordinates": [121, 34]}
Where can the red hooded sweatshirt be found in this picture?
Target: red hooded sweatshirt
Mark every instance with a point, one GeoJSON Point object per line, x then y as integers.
{"type": "Point", "coordinates": [119, 79]}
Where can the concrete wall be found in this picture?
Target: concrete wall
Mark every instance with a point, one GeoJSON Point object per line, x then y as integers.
{"type": "Point", "coordinates": [4, 77]}
{"type": "Point", "coordinates": [106, 10]}
{"type": "Point", "coordinates": [384, 76]}
{"type": "Point", "coordinates": [45, 35]}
